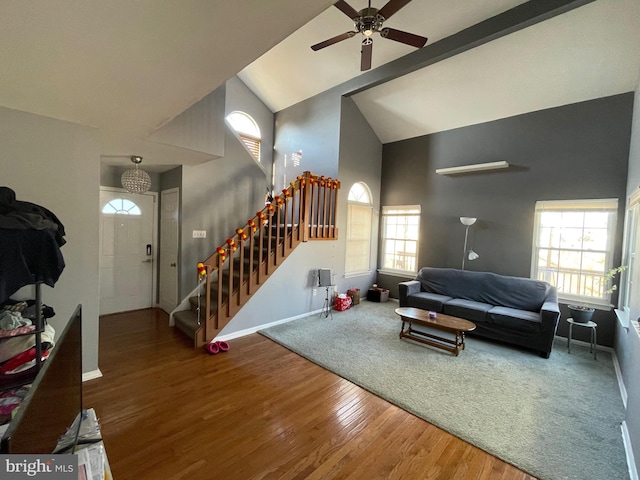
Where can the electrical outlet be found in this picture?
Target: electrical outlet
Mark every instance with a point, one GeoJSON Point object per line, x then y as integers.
{"type": "Point", "coordinates": [315, 292]}
{"type": "Point", "coordinates": [199, 234]}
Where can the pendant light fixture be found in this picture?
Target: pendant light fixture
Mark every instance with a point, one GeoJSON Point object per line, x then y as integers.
{"type": "Point", "coordinates": [136, 180]}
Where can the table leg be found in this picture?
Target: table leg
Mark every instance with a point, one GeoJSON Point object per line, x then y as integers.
{"type": "Point", "coordinates": [594, 342]}
{"type": "Point", "coordinates": [569, 337]}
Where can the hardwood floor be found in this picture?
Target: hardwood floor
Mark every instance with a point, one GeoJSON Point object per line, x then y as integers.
{"type": "Point", "coordinates": [257, 411]}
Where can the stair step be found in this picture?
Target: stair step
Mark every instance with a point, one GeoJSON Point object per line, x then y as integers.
{"type": "Point", "coordinates": [193, 301]}
{"type": "Point", "coordinates": [187, 322]}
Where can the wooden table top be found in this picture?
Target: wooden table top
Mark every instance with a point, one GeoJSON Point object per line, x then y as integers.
{"type": "Point", "coordinates": [442, 320]}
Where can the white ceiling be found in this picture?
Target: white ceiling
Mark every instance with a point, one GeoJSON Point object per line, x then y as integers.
{"type": "Point", "coordinates": [128, 67]}
{"type": "Point", "coordinates": [590, 52]}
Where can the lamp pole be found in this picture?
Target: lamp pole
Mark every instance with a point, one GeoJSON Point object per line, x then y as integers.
{"type": "Point", "coordinates": [464, 252]}
{"type": "Point", "coordinates": [467, 221]}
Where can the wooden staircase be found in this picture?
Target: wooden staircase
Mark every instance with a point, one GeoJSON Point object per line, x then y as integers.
{"type": "Point", "coordinates": [305, 211]}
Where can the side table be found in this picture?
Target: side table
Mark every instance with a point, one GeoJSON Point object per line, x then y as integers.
{"type": "Point", "coordinates": [589, 324]}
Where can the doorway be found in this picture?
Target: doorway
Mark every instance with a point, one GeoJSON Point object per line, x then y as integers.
{"type": "Point", "coordinates": [169, 247]}
{"type": "Point", "coordinates": [127, 250]}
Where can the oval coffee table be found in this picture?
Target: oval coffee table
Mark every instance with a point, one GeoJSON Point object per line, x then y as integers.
{"type": "Point", "coordinates": [445, 323]}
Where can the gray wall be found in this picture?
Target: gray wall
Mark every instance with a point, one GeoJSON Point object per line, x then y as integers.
{"type": "Point", "coordinates": [312, 126]}
{"type": "Point", "coordinates": [199, 128]}
{"type": "Point", "coordinates": [336, 125]}
{"type": "Point", "coordinates": [360, 161]}
{"type": "Point", "coordinates": [627, 341]}
{"type": "Point", "coordinates": [240, 98]}
{"type": "Point", "coordinates": [217, 196]}
{"type": "Point", "coordinates": [56, 164]}
{"type": "Point", "coordinates": [571, 152]}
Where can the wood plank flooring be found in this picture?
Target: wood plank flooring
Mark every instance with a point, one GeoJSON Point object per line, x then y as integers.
{"type": "Point", "coordinates": [257, 411]}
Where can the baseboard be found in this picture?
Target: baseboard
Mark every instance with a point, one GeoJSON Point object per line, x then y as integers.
{"type": "Point", "coordinates": [618, 370]}
{"type": "Point", "coordinates": [92, 375]}
{"type": "Point", "coordinates": [631, 462]}
{"type": "Point", "coordinates": [249, 331]}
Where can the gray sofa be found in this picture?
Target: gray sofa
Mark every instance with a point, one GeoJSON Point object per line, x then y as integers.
{"type": "Point", "coordinates": [515, 310]}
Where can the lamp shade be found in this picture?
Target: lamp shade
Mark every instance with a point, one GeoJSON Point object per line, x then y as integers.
{"type": "Point", "coordinates": [468, 220]}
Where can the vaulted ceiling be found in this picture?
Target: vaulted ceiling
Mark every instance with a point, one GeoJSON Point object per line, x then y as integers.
{"type": "Point", "coordinates": [586, 53]}
{"type": "Point", "coordinates": [128, 67]}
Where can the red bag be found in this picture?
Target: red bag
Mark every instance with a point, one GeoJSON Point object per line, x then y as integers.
{"type": "Point", "coordinates": [342, 303]}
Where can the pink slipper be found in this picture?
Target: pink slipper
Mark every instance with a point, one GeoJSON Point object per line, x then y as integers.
{"type": "Point", "coordinates": [223, 346]}
{"type": "Point", "coordinates": [212, 348]}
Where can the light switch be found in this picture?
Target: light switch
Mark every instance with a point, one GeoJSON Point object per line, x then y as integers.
{"type": "Point", "coordinates": [199, 234]}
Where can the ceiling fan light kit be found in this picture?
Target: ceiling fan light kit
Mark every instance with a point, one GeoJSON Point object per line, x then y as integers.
{"type": "Point", "coordinates": [369, 21]}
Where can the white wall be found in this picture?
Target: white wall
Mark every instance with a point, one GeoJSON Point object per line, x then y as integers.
{"type": "Point", "coordinates": [56, 164]}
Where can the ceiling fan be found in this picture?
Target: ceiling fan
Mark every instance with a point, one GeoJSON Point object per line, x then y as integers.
{"type": "Point", "coordinates": [369, 21]}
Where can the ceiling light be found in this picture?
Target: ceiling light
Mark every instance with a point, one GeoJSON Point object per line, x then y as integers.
{"type": "Point", "coordinates": [134, 179]}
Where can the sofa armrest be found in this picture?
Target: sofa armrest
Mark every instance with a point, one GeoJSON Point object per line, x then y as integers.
{"type": "Point", "coordinates": [405, 289]}
{"type": "Point", "coordinates": [550, 315]}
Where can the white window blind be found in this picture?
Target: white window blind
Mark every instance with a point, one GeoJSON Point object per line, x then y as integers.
{"type": "Point", "coordinates": [400, 237]}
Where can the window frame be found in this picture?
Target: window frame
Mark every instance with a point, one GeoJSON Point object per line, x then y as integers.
{"type": "Point", "coordinates": [409, 211]}
{"type": "Point", "coordinates": [360, 199]}
{"type": "Point", "coordinates": [609, 206]}
{"type": "Point", "coordinates": [252, 140]}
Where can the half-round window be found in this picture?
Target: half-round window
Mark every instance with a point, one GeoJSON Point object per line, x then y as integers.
{"type": "Point", "coordinates": [248, 131]}
{"type": "Point", "coordinates": [121, 206]}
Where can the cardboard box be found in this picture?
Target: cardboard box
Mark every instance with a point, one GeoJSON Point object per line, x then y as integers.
{"type": "Point", "coordinates": [378, 295]}
{"type": "Point", "coordinates": [354, 293]}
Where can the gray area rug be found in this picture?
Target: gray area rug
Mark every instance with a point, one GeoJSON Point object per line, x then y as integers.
{"type": "Point", "coordinates": [556, 418]}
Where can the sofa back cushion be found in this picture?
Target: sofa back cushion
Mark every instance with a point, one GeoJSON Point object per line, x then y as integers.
{"type": "Point", "coordinates": [513, 292]}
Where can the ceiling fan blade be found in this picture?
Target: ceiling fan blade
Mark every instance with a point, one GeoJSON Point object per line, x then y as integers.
{"type": "Point", "coordinates": [403, 37]}
{"type": "Point", "coordinates": [365, 54]}
{"type": "Point", "coordinates": [347, 9]}
{"type": "Point", "coordinates": [392, 7]}
{"type": "Point", "coordinates": [331, 41]}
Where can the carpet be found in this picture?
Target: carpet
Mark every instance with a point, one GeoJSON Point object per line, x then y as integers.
{"type": "Point", "coordinates": [556, 418]}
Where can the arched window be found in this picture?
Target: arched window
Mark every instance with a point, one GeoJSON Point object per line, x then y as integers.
{"type": "Point", "coordinates": [121, 206]}
{"type": "Point", "coordinates": [248, 130]}
{"type": "Point", "coordinates": [359, 217]}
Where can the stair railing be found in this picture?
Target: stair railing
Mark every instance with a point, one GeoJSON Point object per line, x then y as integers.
{"type": "Point", "coordinates": [306, 210]}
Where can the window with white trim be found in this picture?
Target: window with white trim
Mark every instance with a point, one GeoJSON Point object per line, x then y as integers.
{"type": "Point", "coordinates": [248, 131]}
{"type": "Point", "coordinates": [359, 215]}
{"type": "Point", "coordinates": [573, 247]}
{"type": "Point", "coordinates": [400, 237]}
{"type": "Point", "coordinates": [121, 206]}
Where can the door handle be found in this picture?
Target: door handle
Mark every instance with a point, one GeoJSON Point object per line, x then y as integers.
{"type": "Point", "coordinates": [172, 265]}
{"type": "Point", "coordinates": [146, 261]}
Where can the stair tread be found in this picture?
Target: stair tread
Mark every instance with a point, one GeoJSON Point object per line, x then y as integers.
{"type": "Point", "coordinates": [187, 318]}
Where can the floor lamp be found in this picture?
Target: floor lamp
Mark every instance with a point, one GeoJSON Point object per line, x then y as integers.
{"type": "Point", "coordinates": [467, 221]}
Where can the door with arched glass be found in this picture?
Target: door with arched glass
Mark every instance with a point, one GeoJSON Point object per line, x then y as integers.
{"type": "Point", "coordinates": [127, 251]}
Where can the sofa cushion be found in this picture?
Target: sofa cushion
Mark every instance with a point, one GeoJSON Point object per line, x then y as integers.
{"type": "Point", "coordinates": [485, 287]}
{"type": "Point", "coordinates": [467, 309]}
{"type": "Point", "coordinates": [428, 301]}
{"type": "Point", "coordinates": [513, 319]}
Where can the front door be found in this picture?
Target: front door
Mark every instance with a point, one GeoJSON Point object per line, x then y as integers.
{"type": "Point", "coordinates": [126, 251]}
